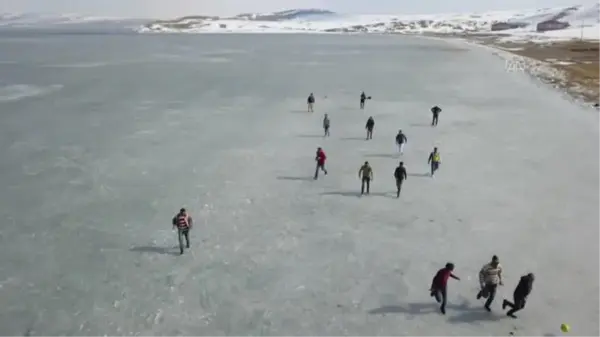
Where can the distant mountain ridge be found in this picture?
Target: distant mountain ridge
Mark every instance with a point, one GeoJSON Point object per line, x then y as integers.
{"type": "Point", "coordinates": [321, 20]}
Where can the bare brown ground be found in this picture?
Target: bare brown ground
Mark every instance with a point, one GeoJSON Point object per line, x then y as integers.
{"type": "Point", "coordinates": [578, 60]}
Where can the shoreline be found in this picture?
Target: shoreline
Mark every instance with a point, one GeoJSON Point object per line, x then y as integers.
{"type": "Point", "coordinates": [571, 66]}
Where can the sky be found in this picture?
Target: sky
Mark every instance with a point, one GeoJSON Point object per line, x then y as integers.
{"type": "Point", "coordinates": [173, 8]}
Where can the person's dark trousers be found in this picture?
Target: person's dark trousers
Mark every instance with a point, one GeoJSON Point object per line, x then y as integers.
{"type": "Point", "coordinates": [369, 133]}
{"type": "Point", "coordinates": [398, 187]}
{"type": "Point", "coordinates": [434, 121]}
{"type": "Point", "coordinates": [434, 167]}
{"type": "Point", "coordinates": [490, 290]}
{"type": "Point", "coordinates": [362, 104]}
{"type": "Point", "coordinates": [183, 233]}
{"type": "Point", "coordinates": [441, 297]}
{"type": "Point", "coordinates": [518, 305]}
{"type": "Point", "coordinates": [326, 131]}
{"type": "Point", "coordinates": [322, 168]}
{"type": "Point", "coordinates": [365, 182]}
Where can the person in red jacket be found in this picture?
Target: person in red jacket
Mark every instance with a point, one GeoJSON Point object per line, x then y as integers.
{"type": "Point", "coordinates": [320, 159]}
{"type": "Point", "coordinates": [440, 283]}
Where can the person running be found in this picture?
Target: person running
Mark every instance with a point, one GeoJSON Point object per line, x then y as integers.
{"type": "Point", "coordinates": [434, 160]}
{"type": "Point", "coordinates": [520, 294]}
{"type": "Point", "coordinates": [400, 175]}
{"type": "Point", "coordinates": [369, 126]}
{"type": "Point", "coordinates": [366, 175]}
{"type": "Point", "coordinates": [363, 98]}
{"type": "Point", "coordinates": [439, 285]}
{"type": "Point", "coordinates": [311, 102]}
{"type": "Point", "coordinates": [490, 276]}
{"type": "Point", "coordinates": [320, 159]}
{"type": "Point", "coordinates": [183, 222]}
{"type": "Point", "coordinates": [400, 141]}
{"type": "Point", "coordinates": [326, 124]}
{"type": "Point", "coordinates": [436, 114]}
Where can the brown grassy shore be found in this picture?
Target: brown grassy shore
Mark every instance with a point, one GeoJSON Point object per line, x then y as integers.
{"type": "Point", "coordinates": [576, 59]}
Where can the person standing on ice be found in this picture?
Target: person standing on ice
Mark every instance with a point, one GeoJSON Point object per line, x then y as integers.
{"type": "Point", "coordinates": [439, 285]}
{"type": "Point", "coordinates": [400, 141]}
{"type": "Point", "coordinates": [436, 114]}
{"type": "Point", "coordinates": [369, 126]}
{"type": "Point", "coordinates": [520, 294]}
{"type": "Point", "coordinates": [434, 160]}
{"type": "Point", "coordinates": [326, 124]}
{"type": "Point", "coordinates": [366, 175]}
{"type": "Point", "coordinates": [363, 98]}
{"type": "Point", "coordinates": [320, 159]}
{"type": "Point", "coordinates": [183, 223]}
{"type": "Point", "coordinates": [400, 175]}
{"type": "Point", "coordinates": [490, 276]}
{"type": "Point", "coordinates": [311, 102]}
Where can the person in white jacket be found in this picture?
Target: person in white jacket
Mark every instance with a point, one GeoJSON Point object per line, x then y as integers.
{"type": "Point", "coordinates": [490, 276]}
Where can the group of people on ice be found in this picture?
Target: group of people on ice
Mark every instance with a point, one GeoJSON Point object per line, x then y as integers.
{"type": "Point", "coordinates": [490, 277]}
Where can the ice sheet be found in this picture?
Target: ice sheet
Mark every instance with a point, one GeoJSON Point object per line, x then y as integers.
{"type": "Point", "coordinates": [93, 173]}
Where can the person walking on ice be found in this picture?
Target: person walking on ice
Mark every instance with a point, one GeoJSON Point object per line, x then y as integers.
{"type": "Point", "coordinates": [369, 126]}
{"type": "Point", "coordinates": [326, 125]}
{"type": "Point", "coordinates": [363, 99]}
{"type": "Point", "coordinates": [436, 115]}
{"type": "Point", "coordinates": [520, 294]}
{"type": "Point", "coordinates": [400, 141]}
{"type": "Point", "coordinates": [366, 175]}
{"type": "Point", "coordinates": [490, 276]}
{"type": "Point", "coordinates": [320, 159]}
{"type": "Point", "coordinates": [400, 175]}
{"type": "Point", "coordinates": [183, 223]}
{"type": "Point", "coordinates": [311, 102]}
{"type": "Point", "coordinates": [439, 285]}
{"type": "Point", "coordinates": [434, 161]}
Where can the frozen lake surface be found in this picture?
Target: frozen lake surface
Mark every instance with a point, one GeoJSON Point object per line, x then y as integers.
{"type": "Point", "coordinates": [104, 137]}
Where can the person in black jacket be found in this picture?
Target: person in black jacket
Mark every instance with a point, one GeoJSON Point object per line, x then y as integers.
{"type": "Point", "coordinates": [400, 175]}
{"type": "Point", "coordinates": [520, 294]}
{"type": "Point", "coordinates": [400, 141]}
{"type": "Point", "coordinates": [311, 102]}
{"type": "Point", "coordinates": [436, 114]}
{"type": "Point", "coordinates": [369, 126]}
{"type": "Point", "coordinates": [363, 98]}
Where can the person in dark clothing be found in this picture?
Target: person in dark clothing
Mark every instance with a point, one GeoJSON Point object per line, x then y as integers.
{"type": "Point", "coordinates": [320, 159]}
{"type": "Point", "coordinates": [436, 114]}
{"type": "Point", "coordinates": [400, 141]}
{"type": "Point", "coordinates": [369, 126]}
{"type": "Point", "coordinates": [311, 102]}
{"type": "Point", "coordinates": [520, 294]}
{"type": "Point", "coordinates": [183, 222]}
{"type": "Point", "coordinates": [439, 285]}
{"type": "Point", "coordinates": [363, 98]}
{"type": "Point", "coordinates": [326, 124]}
{"type": "Point", "coordinates": [434, 160]}
{"type": "Point", "coordinates": [366, 175]}
{"type": "Point", "coordinates": [400, 175]}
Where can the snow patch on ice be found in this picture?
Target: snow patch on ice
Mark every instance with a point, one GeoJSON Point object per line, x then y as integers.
{"type": "Point", "coordinates": [18, 92]}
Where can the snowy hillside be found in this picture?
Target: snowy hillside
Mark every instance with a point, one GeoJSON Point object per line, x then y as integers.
{"type": "Point", "coordinates": [39, 19]}
{"type": "Point", "coordinates": [325, 21]}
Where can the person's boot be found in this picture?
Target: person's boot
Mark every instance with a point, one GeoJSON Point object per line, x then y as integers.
{"type": "Point", "coordinates": [443, 310]}
{"type": "Point", "coordinates": [487, 307]}
{"type": "Point", "coordinates": [504, 304]}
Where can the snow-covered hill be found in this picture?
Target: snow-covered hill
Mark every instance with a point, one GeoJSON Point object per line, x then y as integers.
{"type": "Point", "coordinates": [40, 19]}
{"type": "Point", "coordinates": [322, 21]}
